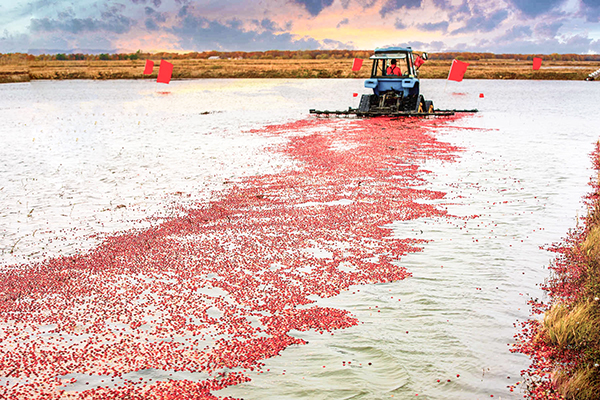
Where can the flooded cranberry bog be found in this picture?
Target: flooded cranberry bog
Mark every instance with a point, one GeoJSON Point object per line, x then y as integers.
{"type": "Point", "coordinates": [209, 239]}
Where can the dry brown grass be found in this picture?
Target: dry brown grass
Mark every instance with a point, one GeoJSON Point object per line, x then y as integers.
{"type": "Point", "coordinates": [574, 327]}
{"type": "Point", "coordinates": [514, 69]}
{"type": "Point", "coordinates": [13, 69]}
{"type": "Point", "coordinates": [21, 70]}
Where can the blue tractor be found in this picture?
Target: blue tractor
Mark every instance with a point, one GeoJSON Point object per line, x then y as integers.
{"type": "Point", "coordinates": [396, 87]}
{"type": "Point", "coordinates": [395, 83]}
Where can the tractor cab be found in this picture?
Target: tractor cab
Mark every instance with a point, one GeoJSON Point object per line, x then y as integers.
{"type": "Point", "coordinates": [394, 89]}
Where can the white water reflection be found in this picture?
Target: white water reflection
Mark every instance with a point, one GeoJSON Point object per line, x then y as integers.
{"type": "Point", "coordinates": [83, 158]}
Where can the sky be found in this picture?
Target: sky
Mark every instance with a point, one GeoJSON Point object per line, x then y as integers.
{"type": "Point", "coordinates": [498, 26]}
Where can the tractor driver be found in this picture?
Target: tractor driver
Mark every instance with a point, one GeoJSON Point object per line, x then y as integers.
{"type": "Point", "coordinates": [393, 69]}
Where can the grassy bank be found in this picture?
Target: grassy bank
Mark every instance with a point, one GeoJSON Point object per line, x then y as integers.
{"type": "Point", "coordinates": [565, 345]}
{"type": "Point", "coordinates": [22, 70]}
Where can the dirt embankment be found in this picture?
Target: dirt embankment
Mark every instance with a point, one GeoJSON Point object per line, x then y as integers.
{"type": "Point", "coordinates": [24, 71]}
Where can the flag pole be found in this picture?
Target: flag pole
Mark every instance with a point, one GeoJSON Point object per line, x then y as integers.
{"type": "Point", "coordinates": [448, 78]}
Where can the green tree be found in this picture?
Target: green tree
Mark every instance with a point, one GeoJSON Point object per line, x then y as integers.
{"type": "Point", "coordinates": [135, 56]}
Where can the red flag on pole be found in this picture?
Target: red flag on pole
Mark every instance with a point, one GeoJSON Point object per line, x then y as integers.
{"type": "Point", "coordinates": [165, 71]}
{"type": "Point", "coordinates": [418, 62]}
{"type": "Point", "coordinates": [357, 64]}
{"type": "Point", "coordinates": [457, 70]}
{"type": "Point", "coordinates": [148, 68]}
{"type": "Point", "coordinates": [537, 63]}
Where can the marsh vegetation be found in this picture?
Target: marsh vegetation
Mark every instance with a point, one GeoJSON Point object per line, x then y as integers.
{"type": "Point", "coordinates": [23, 67]}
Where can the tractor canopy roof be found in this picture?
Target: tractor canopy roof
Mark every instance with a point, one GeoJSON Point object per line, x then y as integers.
{"type": "Point", "coordinates": [391, 52]}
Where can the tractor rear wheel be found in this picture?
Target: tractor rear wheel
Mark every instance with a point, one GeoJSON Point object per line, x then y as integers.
{"type": "Point", "coordinates": [365, 102]}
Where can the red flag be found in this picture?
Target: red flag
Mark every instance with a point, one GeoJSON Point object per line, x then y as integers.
{"type": "Point", "coordinates": [537, 63]}
{"type": "Point", "coordinates": [165, 71]}
{"type": "Point", "coordinates": [357, 64]}
{"type": "Point", "coordinates": [418, 62]}
{"type": "Point", "coordinates": [457, 70]}
{"type": "Point", "coordinates": [148, 68]}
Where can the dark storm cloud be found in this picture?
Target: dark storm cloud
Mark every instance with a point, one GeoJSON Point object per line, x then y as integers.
{"type": "Point", "coordinates": [314, 7]}
{"type": "Point", "coordinates": [533, 8]}
{"type": "Point", "coordinates": [443, 4]}
{"type": "Point", "coordinates": [234, 23]}
{"type": "Point", "coordinates": [72, 25]}
{"type": "Point", "coordinates": [119, 24]}
{"type": "Point", "coordinates": [546, 30]}
{"type": "Point", "coordinates": [460, 12]}
{"type": "Point", "coordinates": [343, 22]}
{"type": "Point", "coordinates": [434, 26]}
{"type": "Point", "coordinates": [113, 9]}
{"type": "Point", "coordinates": [399, 24]}
{"type": "Point", "coordinates": [270, 25]}
{"type": "Point", "coordinates": [19, 12]}
{"type": "Point", "coordinates": [591, 3]}
{"type": "Point", "coordinates": [154, 18]}
{"type": "Point", "coordinates": [591, 10]}
{"type": "Point", "coordinates": [436, 45]}
{"type": "Point", "coordinates": [366, 3]}
{"type": "Point", "coordinates": [183, 11]}
{"type": "Point", "coordinates": [479, 22]}
{"type": "Point", "coordinates": [27, 9]}
{"type": "Point", "coordinates": [454, 12]}
{"type": "Point", "coordinates": [516, 33]}
{"type": "Point", "coordinates": [199, 33]}
{"type": "Point", "coordinates": [265, 24]}
{"type": "Point", "coordinates": [155, 15]}
{"type": "Point", "coordinates": [394, 5]}
{"type": "Point", "coordinates": [151, 25]}
{"type": "Point", "coordinates": [111, 21]}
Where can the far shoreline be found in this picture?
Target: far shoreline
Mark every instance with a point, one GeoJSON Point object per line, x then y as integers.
{"type": "Point", "coordinates": [15, 71]}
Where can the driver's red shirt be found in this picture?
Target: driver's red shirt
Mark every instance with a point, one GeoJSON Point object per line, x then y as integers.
{"type": "Point", "coordinates": [393, 70]}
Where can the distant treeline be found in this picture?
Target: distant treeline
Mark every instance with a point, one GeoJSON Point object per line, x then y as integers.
{"type": "Point", "coordinates": [285, 55]}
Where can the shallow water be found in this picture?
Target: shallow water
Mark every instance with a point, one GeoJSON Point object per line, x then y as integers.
{"type": "Point", "coordinates": [524, 173]}
{"type": "Point", "coordinates": [82, 158]}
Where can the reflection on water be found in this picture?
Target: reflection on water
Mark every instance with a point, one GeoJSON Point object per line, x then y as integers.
{"type": "Point", "coordinates": [84, 158]}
